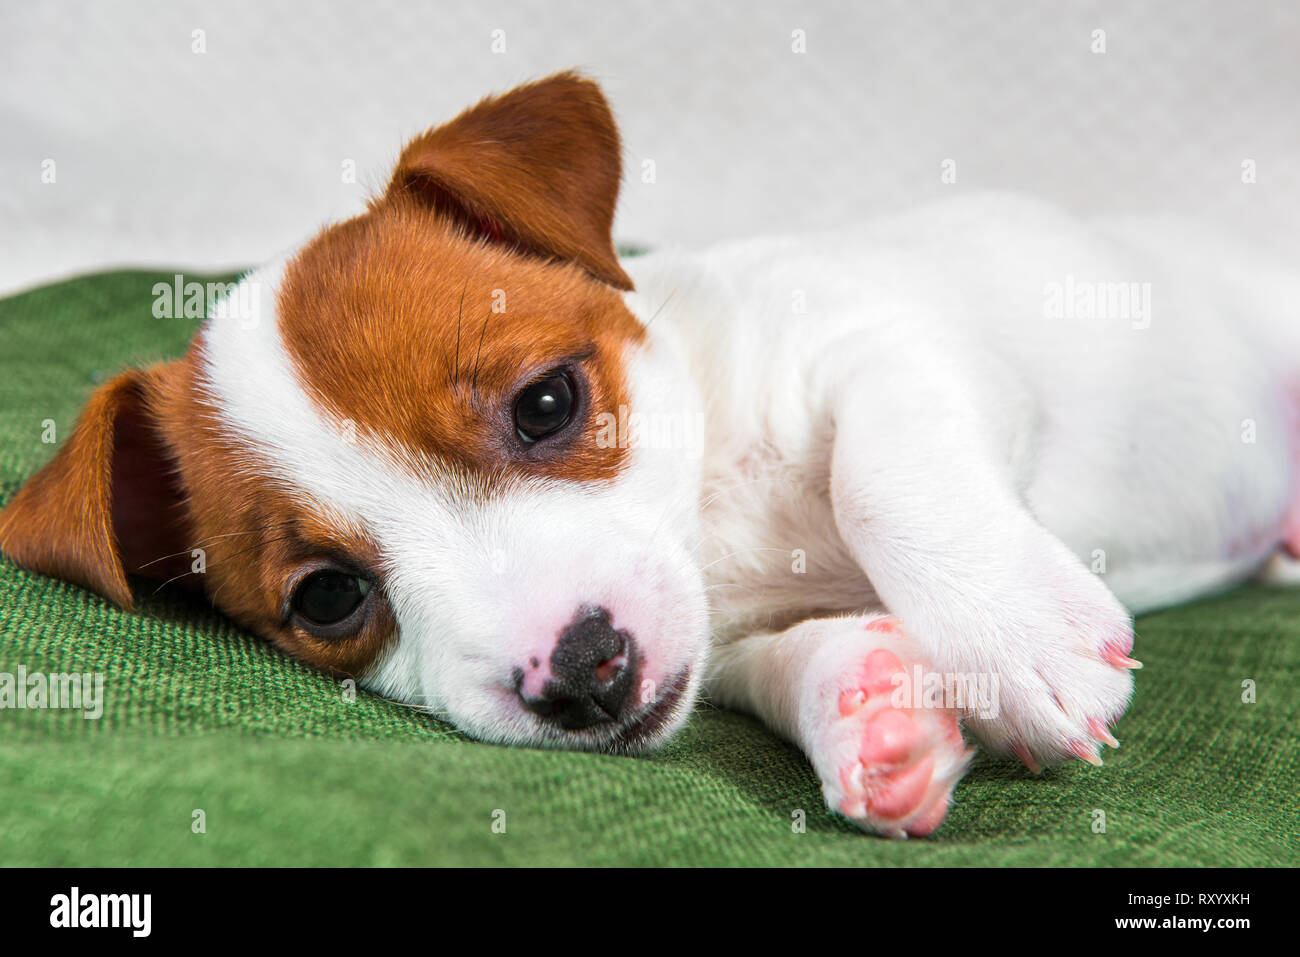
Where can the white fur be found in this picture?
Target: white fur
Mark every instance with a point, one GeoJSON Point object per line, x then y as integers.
{"type": "Point", "coordinates": [932, 440]}
{"type": "Point", "coordinates": [893, 418]}
{"type": "Point", "coordinates": [481, 582]}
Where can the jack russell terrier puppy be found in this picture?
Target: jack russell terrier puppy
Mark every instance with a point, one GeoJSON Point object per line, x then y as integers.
{"type": "Point", "coordinates": [860, 485]}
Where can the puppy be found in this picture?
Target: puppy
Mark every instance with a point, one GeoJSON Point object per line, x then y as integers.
{"type": "Point", "coordinates": [859, 485]}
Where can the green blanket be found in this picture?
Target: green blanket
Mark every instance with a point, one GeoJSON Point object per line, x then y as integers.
{"type": "Point", "coordinates": [200, 716]}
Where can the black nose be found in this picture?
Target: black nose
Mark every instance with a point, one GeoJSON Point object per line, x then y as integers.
{"type": "Point", "coordinates": [592, 672]}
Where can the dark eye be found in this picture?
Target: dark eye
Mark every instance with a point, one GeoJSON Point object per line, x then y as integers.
{"type": "Point", "coordinates": [544, 407]}
{"type": "Point", "coordinates": [328, 597]}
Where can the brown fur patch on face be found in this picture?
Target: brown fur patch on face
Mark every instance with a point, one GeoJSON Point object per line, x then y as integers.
{"type": "Point", "coordinates": [257, 538]}
{"type": "Point", "coordinates": [404, 321]}
{"type": "Point", "coordinates": [422, 336]}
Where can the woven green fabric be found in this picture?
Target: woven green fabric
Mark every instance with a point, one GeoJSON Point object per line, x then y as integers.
{"type": "Point", "coordinates": [200, 715]}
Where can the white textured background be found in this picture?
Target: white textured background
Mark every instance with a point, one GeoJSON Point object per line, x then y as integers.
{"type": "Point", "coordinates": [173, 158]}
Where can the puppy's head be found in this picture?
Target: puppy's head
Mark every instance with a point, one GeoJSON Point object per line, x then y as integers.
{"type": "Point", "coordinates": [413, 467]}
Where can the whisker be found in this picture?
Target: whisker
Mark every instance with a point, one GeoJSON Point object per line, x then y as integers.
{"type": "Point", "coordinates": [739, 485]}
{"type": "Point", "coordinates": [270, 541]}
{"type": "Point", "coordinates": [155, 592]}
{"type": "Point", "coordinates": [709, 588]}
{"type": "Point", "coordinates": [742, 551]}
{"type": "Point", "coordinates": [460, 318]}
{"type": "Point", "coordinates": [479, 353]}
{"type": "Point", "coordinates": [422, 708]}
{"type": "Point", "coordinates": [213, 538]}
{"type": "Point", "coordinates": [661, 308]}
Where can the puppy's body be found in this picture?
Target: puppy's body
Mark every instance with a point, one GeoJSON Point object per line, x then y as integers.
{"type": "Point", "coordinates": [900, 418]}
{"type": "Point", "coordinates": [471, 458]}
{"type": "Point", "coordinates": [1122, 434]}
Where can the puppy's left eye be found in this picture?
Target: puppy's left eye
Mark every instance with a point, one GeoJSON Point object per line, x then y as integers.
{"type": "Point", "coordinates": [328, 599]}
{"type": "Point", "coordinates": [544, 407]}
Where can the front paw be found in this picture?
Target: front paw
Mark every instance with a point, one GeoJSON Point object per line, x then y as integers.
{"type": "Point", "coordinates": [1064, 673]}
{"type": "Point", "coordinates": [888, 769]}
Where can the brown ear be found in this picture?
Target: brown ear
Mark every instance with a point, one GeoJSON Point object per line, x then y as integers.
{"type": "Point", "coordinates": [106, 504]}
{"type": "Point", "coordinates": [537, 168]}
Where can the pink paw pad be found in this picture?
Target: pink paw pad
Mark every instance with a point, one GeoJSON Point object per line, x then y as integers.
{"type": "Point", "coordinates": [893, 780]}
{"type": "Point", "coordinates": [889, 769]}
{"type": "Point", "coordinates": [889, 737]}
{"type": "Point", "coordinates": [877, 677]}
{"type": "Point", "coordinates": [902, 794]}
{"type": "Point", "coordinates": [892, 796]}
{"type": "Point", "coordinates": [929, 822]}
{"type": "Point", "coordinates": [879, 671]}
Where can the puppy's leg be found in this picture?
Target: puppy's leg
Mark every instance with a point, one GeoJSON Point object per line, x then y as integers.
{"type": "Point", "coordinates": [925, 497]}
{"type": "Point", "coordinates": [830, 686]}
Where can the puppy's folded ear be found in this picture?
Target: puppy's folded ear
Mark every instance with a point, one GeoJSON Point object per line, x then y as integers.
{"type": "Point", "coordinates": [537, 168]}
{"type": "Point", "coordinates": [108, 503]}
